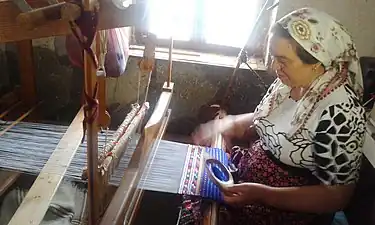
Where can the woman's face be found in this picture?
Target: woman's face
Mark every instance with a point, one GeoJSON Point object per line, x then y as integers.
{"type": "Point", "coordinates": [287, 65]}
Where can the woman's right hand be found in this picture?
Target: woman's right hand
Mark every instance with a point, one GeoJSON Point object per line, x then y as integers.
{"type": "Point", "coordinates": [204, 134]}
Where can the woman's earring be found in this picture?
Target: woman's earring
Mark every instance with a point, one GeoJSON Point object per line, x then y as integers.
{"type": "Point", "coordinates": [315, 67]}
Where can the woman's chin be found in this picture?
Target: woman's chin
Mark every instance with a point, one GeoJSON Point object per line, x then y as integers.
{"type": "Point", "coordinates": [284, 80]}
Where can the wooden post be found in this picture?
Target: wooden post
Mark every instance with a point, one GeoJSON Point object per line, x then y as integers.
{"type": "Point", "coordinates": [92, 143]}
{"type": "Point", "coordinates": [104, 117]}
{"type": "Point", "coordinates": [27, 72]}
{"type": "Point", "coordinates": [169, 80]}
{"type": "Point", "coordinates": [92, 132]}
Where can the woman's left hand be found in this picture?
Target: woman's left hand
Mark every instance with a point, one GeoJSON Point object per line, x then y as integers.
{"type": "Point", "coordinates": [244, 194]}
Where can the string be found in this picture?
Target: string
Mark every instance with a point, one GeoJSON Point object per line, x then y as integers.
{"type": "Point", "coordinates": [139, 86]}
{"type": "Point", "coordinates": [372, 97]}
{"type": "Point", "coordinates": [242, 57]}
{"type": "Point", "coordinates": [92, 104]}
{"type": "Point", "coordinates": [115, 91]}
{"type": "Point", "coordinates": [103, 48]}
{"type": "Point", "coordinates": [148, 86]}
{"type": "Point", "coordinates": [105, 141]}
{"type": "Point", "coordinates": [264, 86]}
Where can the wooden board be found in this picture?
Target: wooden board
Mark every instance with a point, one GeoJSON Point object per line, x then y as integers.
{"type": "Point", "coordinates": [110, 17]}
{"type": "Point", "coordinates": [35, 204]}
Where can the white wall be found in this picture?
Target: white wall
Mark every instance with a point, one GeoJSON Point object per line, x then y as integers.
{"type": "Point", "coordinates": [358, 16]}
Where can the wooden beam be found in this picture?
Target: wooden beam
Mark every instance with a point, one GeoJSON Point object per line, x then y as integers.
{"type": "Point", "coordinates": [19, 119]}
{"type": "Point", "coordinates": [3, 114]}
{"type": "Point", "coordinates": [35, 205]}
{"type": "Point", "coordinates": [40, 16]}
{"type": "Point", "coordinates": [9, 102]}
{"type": "Point", "coordinates": [110, 17]}
{"type": "Point", "coordinates": [27, 72]}
{"type": "Point", "coordinates": [122, 200]}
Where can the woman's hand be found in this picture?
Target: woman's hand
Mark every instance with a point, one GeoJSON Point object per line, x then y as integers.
{"type": "Point", "coordinates": [204, 134]}
{"type": "Point", "coordinates": [230, 127]}
{"type": "Point", "coordinates": [316, 198]}
{"type": "Point", "coordinates": [244, 194]}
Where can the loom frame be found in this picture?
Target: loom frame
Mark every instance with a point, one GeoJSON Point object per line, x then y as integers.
{"type": "Point", "coordinates": [111, 17]}
{"type": "Point", "coordinates": [35, 204]}
{"type": "Point", "coordinates": [152, 133]}
{"type": "Point", "coordinates": [117, 210]}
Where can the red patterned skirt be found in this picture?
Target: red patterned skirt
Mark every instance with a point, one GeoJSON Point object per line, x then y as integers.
{"type": "Point", "coordinates": [256, 165]}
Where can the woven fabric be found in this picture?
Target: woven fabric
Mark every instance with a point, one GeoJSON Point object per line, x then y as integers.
{"type": "Point", "coordinates": [195, 180]}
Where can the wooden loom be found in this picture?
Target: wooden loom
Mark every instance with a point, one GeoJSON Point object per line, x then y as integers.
{"type": "Point", "coordinates": [24, 26]}
{"type": "Point", "coordinates": [51, 21]}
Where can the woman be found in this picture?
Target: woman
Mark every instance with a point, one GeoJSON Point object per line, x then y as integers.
{"type": "Point", "coordinates": [310, 125]}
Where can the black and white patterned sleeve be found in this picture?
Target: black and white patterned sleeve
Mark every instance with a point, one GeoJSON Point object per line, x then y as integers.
{"type": "Point", "coordinates": [338, 142]}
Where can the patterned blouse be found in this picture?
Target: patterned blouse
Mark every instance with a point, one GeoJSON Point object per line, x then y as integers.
{"type": "Point", "coordinates": [329, 144]}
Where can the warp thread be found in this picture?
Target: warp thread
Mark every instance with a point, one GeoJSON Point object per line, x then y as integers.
{"type": "Point", "coordinates": [84, 29]}
{"type": "Point", "coordinates": [27, 147]}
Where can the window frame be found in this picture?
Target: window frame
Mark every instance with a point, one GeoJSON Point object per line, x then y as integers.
{"type": "Point", "coordinates": [197, 42]}
{"type": "Point", "coordinates": [199, 46]}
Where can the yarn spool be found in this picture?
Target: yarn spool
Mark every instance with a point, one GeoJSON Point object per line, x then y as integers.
{"type": "Point", "coordinates": [219, 174]}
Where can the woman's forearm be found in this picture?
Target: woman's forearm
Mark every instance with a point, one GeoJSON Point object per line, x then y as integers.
{"type": "Point", "coordinates": [234, 126]}
{"type": "Point", "coordinates": [311, 199]}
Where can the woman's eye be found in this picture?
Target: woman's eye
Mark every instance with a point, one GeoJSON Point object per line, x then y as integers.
{"type": "Point", "coordinates": [283, 61]}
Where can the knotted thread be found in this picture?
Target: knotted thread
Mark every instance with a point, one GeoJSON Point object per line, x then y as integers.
{"type": "Point", "coordinates": [91, 104]}
{"type": "Point", "coordinates": [84, 29]}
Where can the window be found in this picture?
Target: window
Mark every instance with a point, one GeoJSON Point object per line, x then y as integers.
{"type": "Point", "coordinates": [204, 24]}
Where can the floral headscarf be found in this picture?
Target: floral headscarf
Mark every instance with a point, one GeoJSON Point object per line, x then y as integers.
{"type": "Point", "coordinates": [329, 42]}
